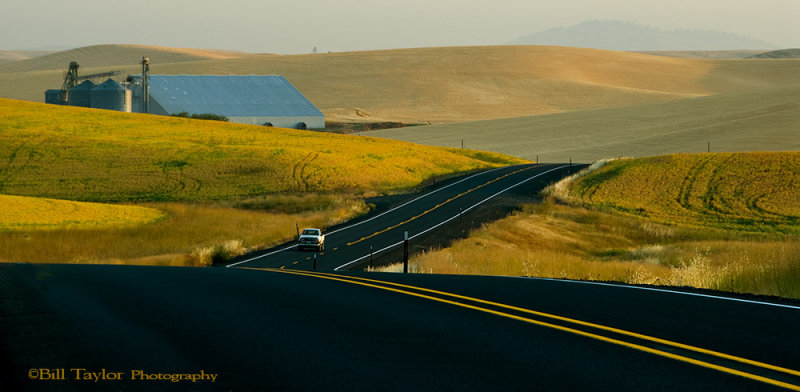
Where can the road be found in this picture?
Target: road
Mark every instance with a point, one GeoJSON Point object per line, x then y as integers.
{"type": "Point", "coordinates": [275, 329]}
{"type": "Point", "coordinates": [348, 247]}
{"type": "Point", "coordinates": [268, 323]}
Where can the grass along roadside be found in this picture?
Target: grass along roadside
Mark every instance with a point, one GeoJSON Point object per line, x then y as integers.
{"type": "Point", "coordinates": [717, 221]}
{"type": "Point", "coordinates": [558, 241]}
{"type": "Point", "coordinates": [189, 235]}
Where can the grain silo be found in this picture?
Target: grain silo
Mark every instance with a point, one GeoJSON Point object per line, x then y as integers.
{"type": "Point", "coordinates": [80, 94]}
{"type": "Point", "coordinates": [112, 96]}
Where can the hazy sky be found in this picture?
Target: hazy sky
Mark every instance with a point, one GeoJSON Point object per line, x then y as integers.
{"type": "Point", "coordinates": [296, 26]}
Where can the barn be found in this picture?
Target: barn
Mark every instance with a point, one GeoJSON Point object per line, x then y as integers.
{"type": "Point", "coordinates": [255, 99]}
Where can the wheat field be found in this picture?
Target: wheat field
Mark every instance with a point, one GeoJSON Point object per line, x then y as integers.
{"type": "Point", "coordinates": [755, 120]}
{"type": "Point", "coordinates": [31, 213]}
{"type": "Point", "coordinates": [204, 190]}
{"type": "Point", "coordinates": [758, 191]}
{"type": "Point", "coordinates": [95, 155]}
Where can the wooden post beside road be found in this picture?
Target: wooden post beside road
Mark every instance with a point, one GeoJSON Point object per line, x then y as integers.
{"type": "Point", "coordinates": [370, 257]}
{"type": "Point", "coordinates": [405, 252]}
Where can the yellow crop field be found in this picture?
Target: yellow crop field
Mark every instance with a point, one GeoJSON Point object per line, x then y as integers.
{"type": "Point", "coordinates": [757, 191]}
{"type": "Point", "coordinates": [94, 155]}
{"type": "Point", "coordinates": [228, 187]}
{"type": "Point", "coordinates": [31, 213]}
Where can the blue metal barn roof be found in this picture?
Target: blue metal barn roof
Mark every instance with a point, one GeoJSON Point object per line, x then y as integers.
{"type": "Point", "coordinates": [230, 95]}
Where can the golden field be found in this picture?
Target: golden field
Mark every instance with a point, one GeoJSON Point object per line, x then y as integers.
{"type": "Point", "coordinates": [432, 85]}
{"type": "Point", "coordinates": [33, 213]}
{"type": "Point", "coordinates": [92, 155]}
{"type": "Point", "coordinates": [248, 186]}
{"type": "Point", "coordinates": [718, 221]}
{"type": "Point", "coordinates": [757, 192]}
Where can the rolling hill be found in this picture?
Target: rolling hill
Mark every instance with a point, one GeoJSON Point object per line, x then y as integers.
{"type": "Point", "coordinates": [105, 156]}
{"type": "Point", "coordinates": [432, 85]}
{"type": "Point", "coordinates": [112, 56]}
{"type": "Point", "coordinates": [754, 191]}
{"type": "Point", "coordinates": [778, 54]}
{"type": "Point", "coordinates": [10, 56]}
{"type": "Point", "coordinates": [756, 120]}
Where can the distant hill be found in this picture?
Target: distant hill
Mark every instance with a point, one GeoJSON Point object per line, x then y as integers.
{"type": "Point", "coordinates": [436, 85]}
{"type": "Point", "coordinates": [778, 54]}
{"type": "Point", "coordinates": [115, 55]}
{"type": "Point", "coordinates": [9, 56]}
{"type": "Point", "coordinates": [617, 35]}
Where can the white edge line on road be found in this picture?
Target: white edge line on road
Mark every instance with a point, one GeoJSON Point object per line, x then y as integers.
{"type": "Point", "coordinates": [449, 219]}
{"type": "Point", "coordinates": [749, 301]}
{"type": "Point", "coordinates": [374, 217]}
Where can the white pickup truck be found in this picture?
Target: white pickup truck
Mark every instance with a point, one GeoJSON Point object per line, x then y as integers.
{"type": "Point", "coordinates": [311, 238]}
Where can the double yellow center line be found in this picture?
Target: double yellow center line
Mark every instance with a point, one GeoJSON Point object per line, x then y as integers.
{"type": "Point", "coordinates": [438, 205]}
{"type": "Point", "coordinates": [462, 301]}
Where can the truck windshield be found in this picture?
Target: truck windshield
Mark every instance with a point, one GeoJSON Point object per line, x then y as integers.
{"type": "Point", "coordinates": [310, 232]}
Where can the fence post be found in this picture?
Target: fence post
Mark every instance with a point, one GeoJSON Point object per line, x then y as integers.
{"type": "Point", "coordinates": [405, 252]}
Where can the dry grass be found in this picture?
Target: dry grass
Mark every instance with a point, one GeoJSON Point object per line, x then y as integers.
{"type": "Point", "coordinates": [556, 241]}
{"type": "Point", "coordinates": [718, 221]}
{"type": "Point", "coordinates": [191, 235]}
{"type": "Point", "coordinates": [31, 213]}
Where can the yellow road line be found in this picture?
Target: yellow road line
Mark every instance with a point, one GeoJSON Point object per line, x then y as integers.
{"type": "Point", "coordinates": [583, 323]}
{"type": "Point", "coordinates": [353, 280]}
{"type": "Point", "coordinates": [437, 206]}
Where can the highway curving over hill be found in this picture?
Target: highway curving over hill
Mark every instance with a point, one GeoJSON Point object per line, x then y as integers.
{"type": "Point", "coordinates": [263, 324]}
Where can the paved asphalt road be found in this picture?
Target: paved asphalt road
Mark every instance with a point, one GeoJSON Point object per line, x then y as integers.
{"type": "Point", "coordinates": [348, 247]}
{"type": "Point", "coordinates": [257, 327]}
{"type": "Point", "coordinates": [285, 330]}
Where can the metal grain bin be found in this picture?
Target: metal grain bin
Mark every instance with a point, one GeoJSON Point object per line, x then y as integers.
{"type": "Point", "coordinates": [112, 96]}
{"type": "Point", "coordinates": [80, 94]}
